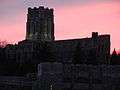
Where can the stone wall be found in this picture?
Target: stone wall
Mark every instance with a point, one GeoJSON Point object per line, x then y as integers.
{"type": "Point", "coordinates": [79, 76]}
{"type": "Point", "coordinates": [95, 50]}
{"type": "Point", "coordinates": [15, 83]}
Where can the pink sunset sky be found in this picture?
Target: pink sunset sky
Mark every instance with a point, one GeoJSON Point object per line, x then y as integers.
{"type": "Point", "coordinates": [73, 18]}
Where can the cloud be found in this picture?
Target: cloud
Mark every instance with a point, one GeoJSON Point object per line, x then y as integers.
{"type": "Point", "coordinates": [57, 3]}
{"type": "Point", "coordinates": [9, 10]}
{"type": "Point", "coordinates": [11, 7]}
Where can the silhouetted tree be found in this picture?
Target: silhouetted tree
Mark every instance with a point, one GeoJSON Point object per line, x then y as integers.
{"type": "Point", "coordinates": [2, 51]}
{"type": "Point", "coordinates": [114, 58]}
{"type": "Point", "coordinates": [3, 44]}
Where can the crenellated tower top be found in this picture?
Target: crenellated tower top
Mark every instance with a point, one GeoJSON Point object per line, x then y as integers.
{"type": "Point", "coordinates": [40, 24]}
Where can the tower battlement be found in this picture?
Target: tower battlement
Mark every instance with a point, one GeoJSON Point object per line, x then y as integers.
{"type": "Point", "coordinates": [40, 24]}
{"type": "Point", "coordinates": [40, 9]}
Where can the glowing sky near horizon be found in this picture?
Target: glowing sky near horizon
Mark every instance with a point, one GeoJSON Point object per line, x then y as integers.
{"type": "Point", "coordinates": [73, 18]}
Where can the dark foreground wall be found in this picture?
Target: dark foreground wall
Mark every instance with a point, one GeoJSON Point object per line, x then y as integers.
{"type": "Point", "coordinates": [15, 83]}
{"type": "Point", "coordinates": [14, 69]}
{"type": "Point", "coordinates": [79, 77]}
